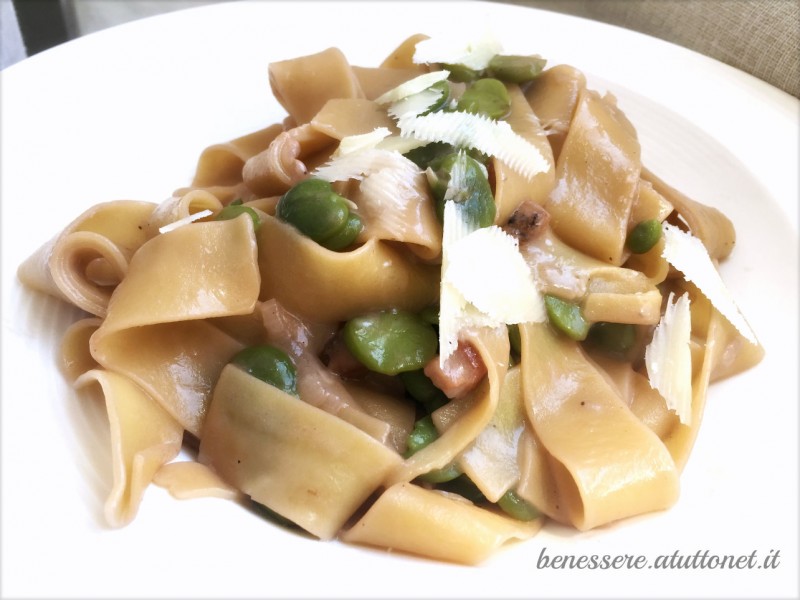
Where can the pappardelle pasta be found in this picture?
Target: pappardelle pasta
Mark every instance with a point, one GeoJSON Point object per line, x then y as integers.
{"type": "Point", "coordinates": [441, 302]}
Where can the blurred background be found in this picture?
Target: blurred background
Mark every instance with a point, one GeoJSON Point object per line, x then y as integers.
{"type": "Point", "coordinates": [760, 37]}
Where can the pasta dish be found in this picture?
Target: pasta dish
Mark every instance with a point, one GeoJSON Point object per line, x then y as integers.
{"type": "Point", "coordinates": [438, 304]}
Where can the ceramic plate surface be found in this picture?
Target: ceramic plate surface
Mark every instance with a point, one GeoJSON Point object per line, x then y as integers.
{"type": "Point", "coordinates": [124, 113]}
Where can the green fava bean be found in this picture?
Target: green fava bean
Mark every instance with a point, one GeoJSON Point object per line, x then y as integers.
{"type": "Point", "coordinates": [566, 317]}
{"type": "Point", "coordinates": [346, 235]}
{"type": "Point", "coordinates": [486, 97]}
{"type": "Point", "coordinates": [468, 184]}
{"type": "Point", "coordinates": [424, 155]}
{"type": "Point", "coordinates": [461, 73]}
{"type": "Point", "coordinates": [644, 236]}
{"type": "Point", "coordinates": [516, 69]}
{"type": "Point", "coordinates": [420, 387]}
{"type": "Point", "coordinates": [613, 338]}
{"type": "Point", "coordinates": [516, 507]}
{"type": "Point", "coordinates": [443, 475]}
{"type": "Point", "coordinates": [444, 99]}
{"type": "Point", "coordinates": [234, 210]}
{"type": "Point", "coordinates": [391, 342]}
{"type": "Point", "coordinates": [269, 364]}
{"type": "Point", "coordinates": [424, 433]}
{"type": "Point", "coordinates": [319, 213]}
{"type": "Point", "coordinates": [514, 339]}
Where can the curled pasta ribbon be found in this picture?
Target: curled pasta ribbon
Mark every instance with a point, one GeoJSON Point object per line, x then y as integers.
{"type": "Point", "coordinates": [616, 467]}
{"type": "Point", "coordinates": [85, 263]}
{"type": "Point", "coordinates": [286, 161]}
{"type": "Point", "coordinates": [462, 419]}
{"type": "Point", "coordinates": [222, 164]}
{"type": "Point", "coordinates": [591, 201]}
{"type": "Point", "coordinates": [491, 460]}
{"type": "Point", "coordinates": [76, 359]}
{"type": "Point", "coordinates": [143, 438]}
{"type": "Point", "coordinates": [219, 168]}
{"type": "Point", "coordinates": [718, 351]}
{"type": "Point", "coordinates": [707, 223]}
{"type": "Point", "coordinates": [180, 207]}
{"type": "Point", "coordinates": [302, 85]}
{"type": "Point", "coordinates": [396, 205]}
{"type": "Point", "coordinates": [553, 96]}
{"type": "Point", "coordinates": [196, 272]}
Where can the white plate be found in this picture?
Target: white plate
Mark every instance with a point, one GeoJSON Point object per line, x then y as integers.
{"type": "Point", "coordinates": [124, 113]}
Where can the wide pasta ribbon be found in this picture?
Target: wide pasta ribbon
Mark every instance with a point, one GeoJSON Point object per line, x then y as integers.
{"type": "Point", "coordinates": [607, 465]}
{"type": "Point", "coordinates": [416, 520]}
{"type": "Point", "coordinates": [553, 96]}
{"type": "Point", "coordinates": [707, 223]}
{"type": "Point", "coordinates": [300, 461]}
{"type": "Point", "coordinates": [511, 187]}
{"type": "Point", "coordinates": [597, 174]}
{"type": "Point", "coordinates": [346, 284]}
{"type": "Point", "coordinates": [156, 331]}
{"type": "Point", "coordinates": [718, 351]}
{"type": "Point", "coordinates": [302, 85]}
{"type": "Point", "coordinates": [143, 436]}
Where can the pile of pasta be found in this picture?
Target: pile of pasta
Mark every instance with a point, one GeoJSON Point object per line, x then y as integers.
{"type": "Point", "coordinates": [172, 293]}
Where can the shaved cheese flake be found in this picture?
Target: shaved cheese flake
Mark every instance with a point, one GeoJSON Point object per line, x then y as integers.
{"type": "Point", "coordinates": [474, 54]}
{"type": "Point", "coordinates": [495, 138]}
{"type": "Point", "coordinates": [387, 180]}
{"type": "Point", "coordinates": [412, 86]}
{"type": "Point", "coordinates": [455, 315]}
{"type": "Point", "coordinates": [386, 192]}
{"type": "Point", "coordinates": [184, 221]}
{"type": "Point", "coordinates": [414, 105]}
{"type": "Point", "coordinates": [489, 271]}
{"type": "Point", "coordinates": [485, 280]}
{"type": "Point", "coordinates": [359, 164]}
{"type": "Point", "coordinates": [455, 226]}
{"type": "Point", "coordinates": [452, 305]}
{"type": "Point", "coordinates": [364, 141]}
{"type": "Point", "coordinates": [669, 360]}
{"type": "Point", "coordinates": [686, 253]}
{"type": "Point", "coordinates": [402, 145]}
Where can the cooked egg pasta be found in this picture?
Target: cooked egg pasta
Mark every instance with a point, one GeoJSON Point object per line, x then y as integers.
{"type": "Point", "coordinates": [85, 262]}
{"type": "Point", "coordinates": [291, 338]}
